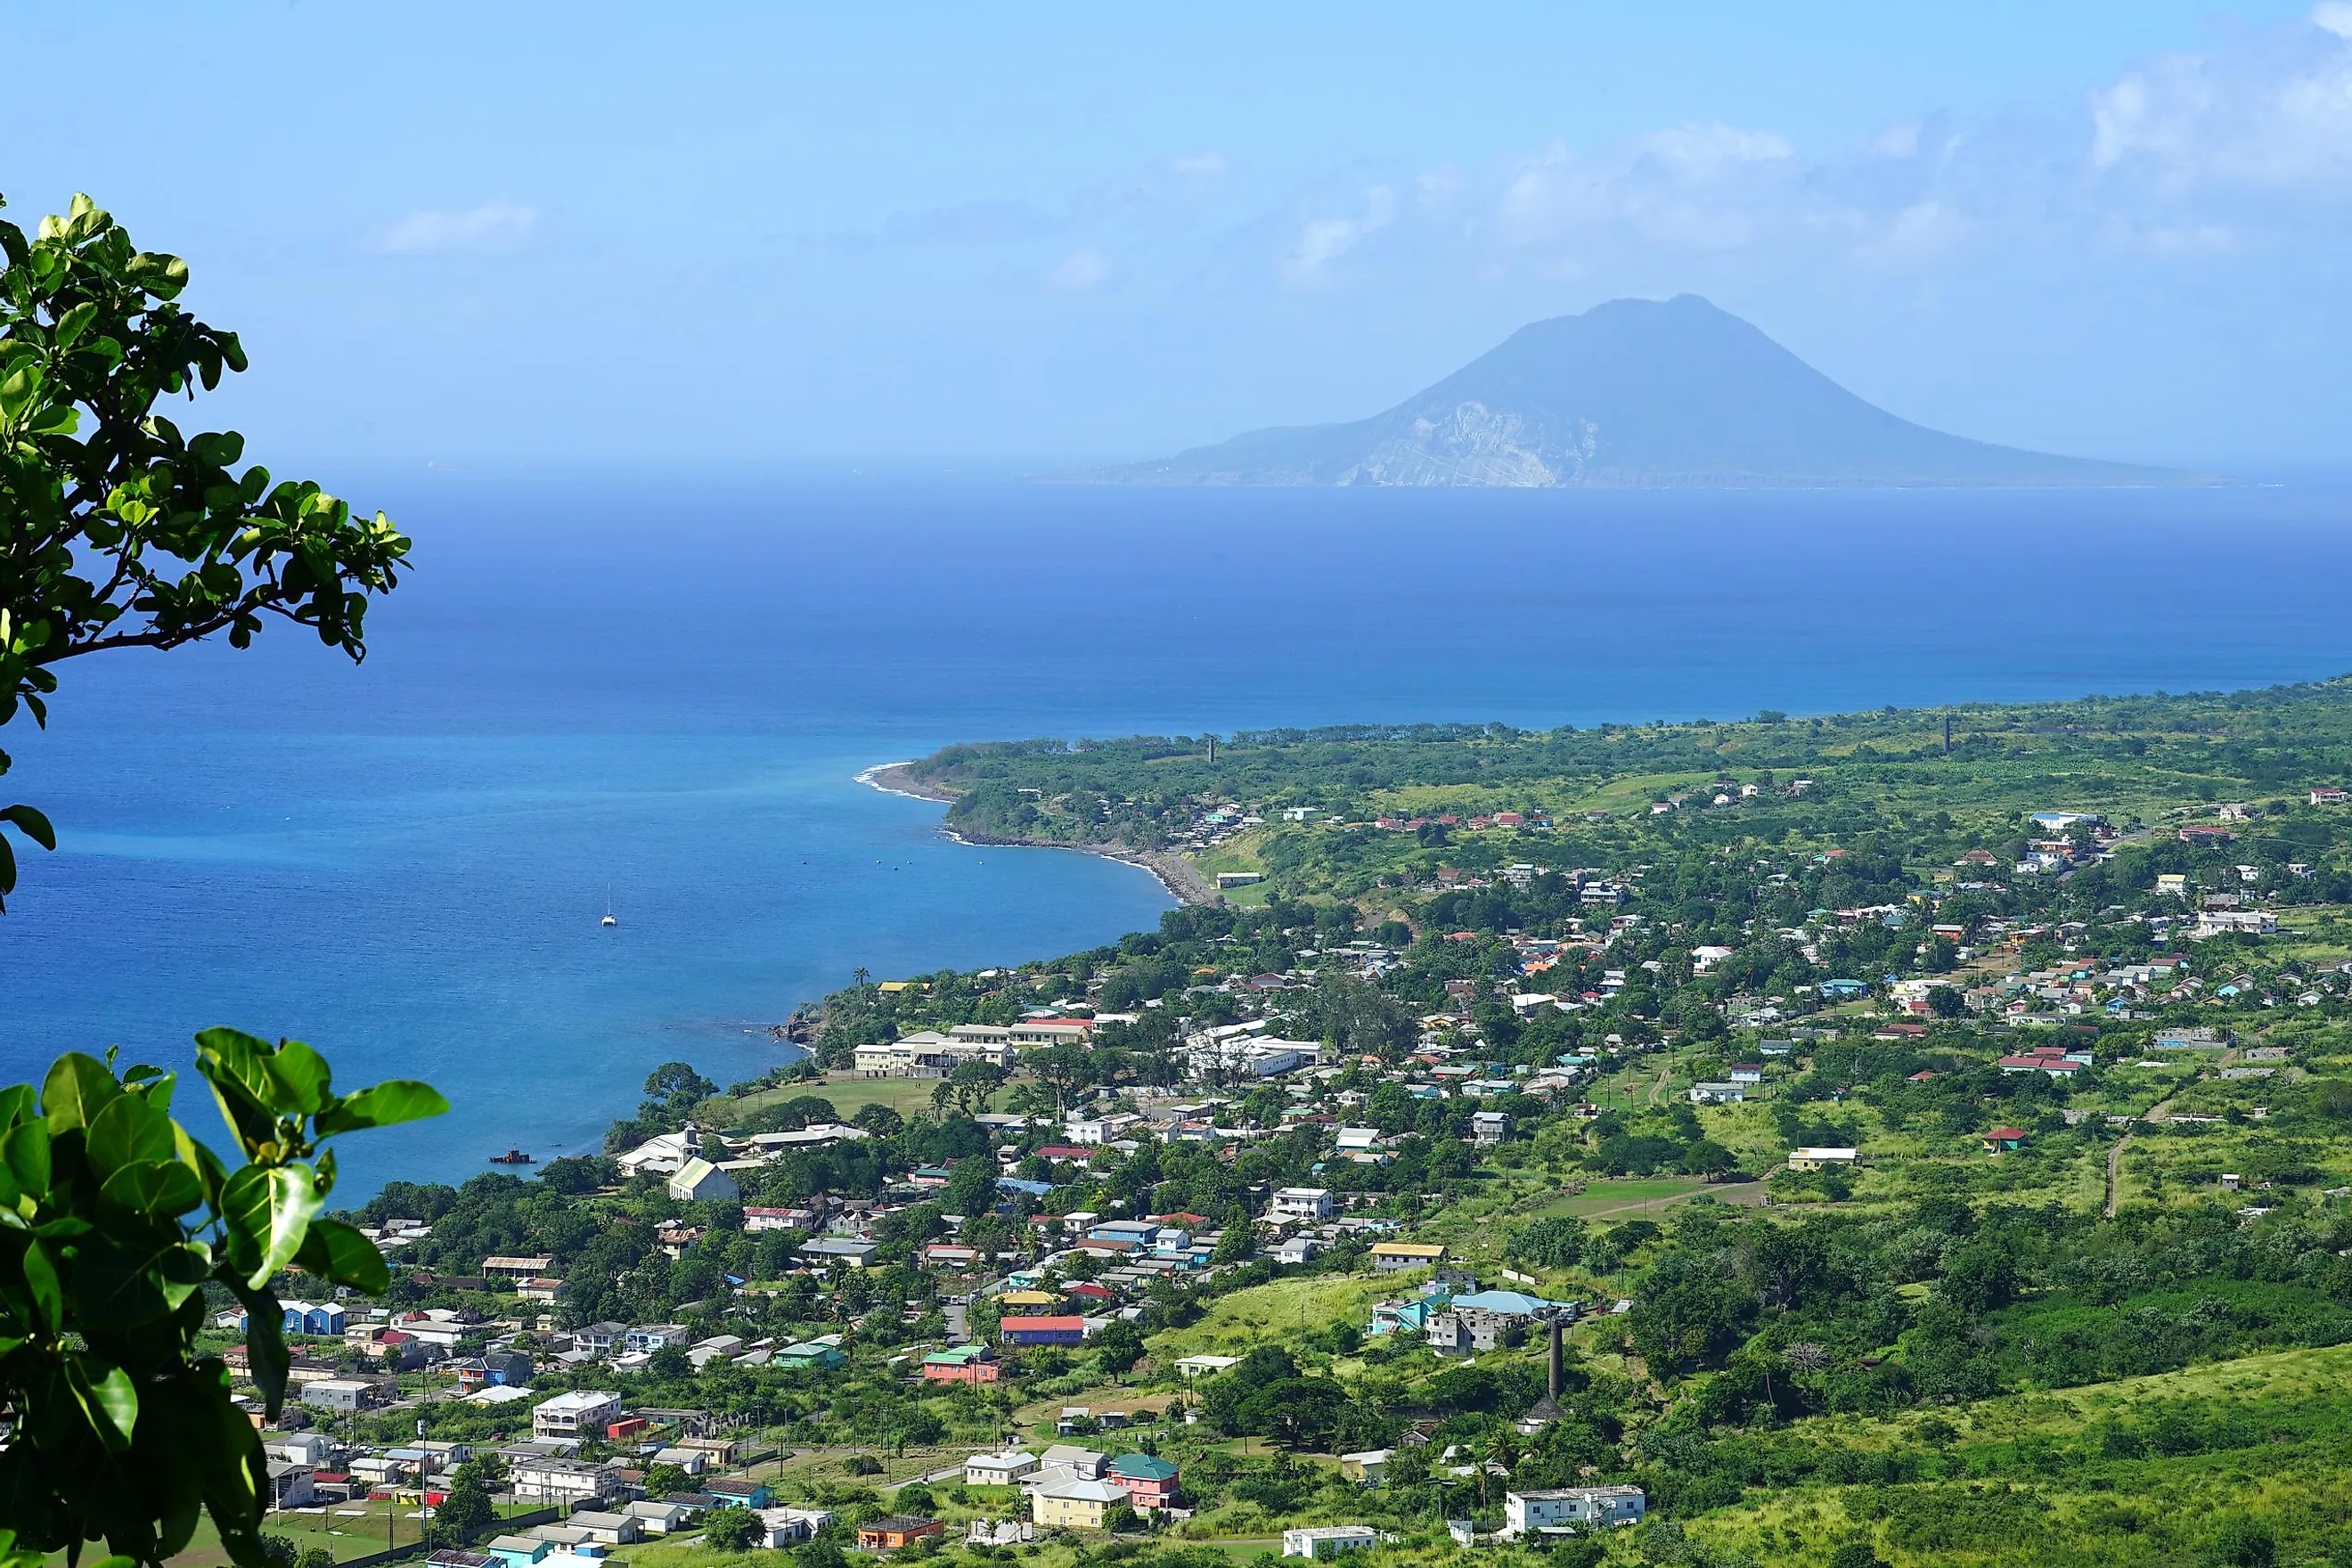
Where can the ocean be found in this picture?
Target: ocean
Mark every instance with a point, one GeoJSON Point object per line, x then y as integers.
{"type": "Point", "coordinates": [653, 691]}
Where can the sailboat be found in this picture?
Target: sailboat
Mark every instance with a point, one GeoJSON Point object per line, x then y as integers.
{"type": "Point", "coordinates": [608, 919]}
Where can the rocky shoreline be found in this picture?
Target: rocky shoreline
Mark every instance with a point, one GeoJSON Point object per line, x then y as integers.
{"type": "Point", "coordinates": [1178, 876]}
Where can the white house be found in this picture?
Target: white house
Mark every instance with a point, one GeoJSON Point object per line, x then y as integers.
{"type": "Point", "coordinates": [576, 1414]}
{"type": "Point", "coordinates": [1328, 1539]}
{"type": "Point", "coordinates": [1824, 1159]}
{"type": "Point", "coordinates": [559, 1483]}
{"type": "Point", "coordinates": [1551, 1508]}
{"type": "Point", "coordinates": [999, 1469]}
{"type": "Point", "coordinates": [1299, 1203]}
{"type": "Point", "coordinates": [1717, 1094]}
{"type": "Point", "coordinates": [700, 1182]}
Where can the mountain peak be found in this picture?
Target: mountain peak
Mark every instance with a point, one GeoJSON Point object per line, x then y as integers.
{"type": "Point", "coordinates": [1632, 392]}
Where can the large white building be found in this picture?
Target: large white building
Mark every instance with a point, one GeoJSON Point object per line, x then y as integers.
{"type": "Point", "coordinates": [1299, 1203]}
{"type": "Point", "coordinates": [1552, 1508]}
{"type": "Point", "coordinates": [576, 1414]}
{"type": "Point", "coordinates": [1328, 1539]}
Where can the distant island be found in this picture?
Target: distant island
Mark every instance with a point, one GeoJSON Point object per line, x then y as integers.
{"type": "Point", "coordinates": [1633, 394]}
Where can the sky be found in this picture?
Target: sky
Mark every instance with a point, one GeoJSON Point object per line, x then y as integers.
{"type": "Point", "coordinates": [475, 236]}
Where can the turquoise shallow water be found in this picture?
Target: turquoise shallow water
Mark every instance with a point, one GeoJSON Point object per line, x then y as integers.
{"type": "Point", "coordinates": [660, 689]}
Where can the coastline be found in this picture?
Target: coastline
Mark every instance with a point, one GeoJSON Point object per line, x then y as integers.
{"type": "Point", "coordinates": [1173, 872]}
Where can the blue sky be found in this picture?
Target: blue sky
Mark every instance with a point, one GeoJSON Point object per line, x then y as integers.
{"type": "Point", "coordinates": [469, 235]}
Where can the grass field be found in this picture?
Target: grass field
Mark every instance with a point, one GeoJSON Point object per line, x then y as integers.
{"type": "Point", "coordinates": [847, 1094]}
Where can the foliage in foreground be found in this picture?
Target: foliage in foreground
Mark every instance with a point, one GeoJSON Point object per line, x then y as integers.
{"type": "Point", "coordinates": [114, 1220]}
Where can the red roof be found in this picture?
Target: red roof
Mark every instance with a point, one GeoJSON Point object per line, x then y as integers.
{"type": "Point", "coordinates": [1065, 1152]}
{"type": "Point", "coordinates": [2005, 1135]}
{"type": "Point", "coordinates": [1091, 1288]}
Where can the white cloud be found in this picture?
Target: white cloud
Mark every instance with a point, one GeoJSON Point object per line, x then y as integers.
{"type": "Point", "coordinates": [493, 226]}
{"type": "Point", "coordinates": [1199, 165]}
{"type": "Point", "coordinates": [1324, 240]}
{"type": "Point", "coordinates": [1080, 272]}
{"type": "Point", "coordinates": [2276, 114]}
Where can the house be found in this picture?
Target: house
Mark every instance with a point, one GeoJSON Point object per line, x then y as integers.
{"type": "Point", "coordinates": [576, 1414]}
{"type": "Point", "coordinates": [2054, 1061]}
{"type": "Point", "coordinates": [450, 1557]}
{"type": "Point", "coordinates": [341, 1393]}
{"type": "Point", "coordinates": [1066, 1461]}
{"type": "Point", "coordinates": [1389, 1256]}
{"type": "Point", "coordinates": [790, 1526]}
{"type": "Point", "coordinates": [1297, 1249]}
{"type": "Point", "coordinates": [739, 1491]}
{"type": "Point", "coordinates": [651, 1337]}
{"type": "Point", "coordinates": [812, 1355]}
{"type": "Point", "coordinates": [2002, 1138]}
{"type": "Point", "coordinates": [999, 1469]}
{"type": "Point", "coordinates": [1075, 1504]}
{"type": "Point", "coordinates": [1151, 1482]}
{"type": "Point", "coordinates": [599, 1339]}
{"type": "Point", "coordinates": [292, 1485]}
{"type": "Point", "coordinates": [314, 1318]}
{"type": "Point", "coordinates": [1824, 1159]}
{"type": "Point", "coordinates": [607, 1528]}
{"type": "Point", "coordinates": [1746, 1074]}
{"type": "Point", "coordinates": [895, 1530]}
{"type": "Point", "coordinates": [1489, 1127]}
{"type": "Point", "coordinates": [1717, 1094]}
{"type": "Point", "coordinates": [1299, 1203]}
{"type": "Point", "coordinates": [1051, 1331]}
{"type": "Point", "coordinates": [1484, 1320]}
{"type": "Point", "coordinates": [658, 1518]}
{"type": "Point", "coordinates": [518, 1551]}
{"type": "Point", "coordinates": [844, 1249]}
{"type": "Point", "coordinates": [516, 1267]}
{"type": "Point", "coordinates": [700, 1182]}
{"type": "Point", "coordinates": [1551, 1508]}
{"type": "Point", "coordinates": [961, 1363]}
{"type": "Point", "coordinates": [550, 1482]}
{"type": "Point", "coordinates": [1369, 1467]}
{"type": "Point", "coordinates": [1328, 1539]}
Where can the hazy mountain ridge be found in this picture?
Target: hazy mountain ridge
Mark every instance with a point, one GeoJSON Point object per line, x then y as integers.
{"type": "Point", "coordinates": [1634, 393]}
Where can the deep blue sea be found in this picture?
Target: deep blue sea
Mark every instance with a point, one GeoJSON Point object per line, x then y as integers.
{"type": "Point", "coordinates": [657, 688]}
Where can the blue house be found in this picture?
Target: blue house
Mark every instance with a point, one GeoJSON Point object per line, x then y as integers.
{"type": "Point", "coordinates": [314, 1317]}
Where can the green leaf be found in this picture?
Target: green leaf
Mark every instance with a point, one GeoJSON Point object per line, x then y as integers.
{"type": "Point", "coordinates": [153, 1187]}
{"type": "Point", "coordinates": [266, 1211]}
{"type": "Point", "coordinates": [25, 1151]}
{"type": "Point", "coordinates": [301, 1076]}
{"type": "Point", "coordinates": [73, 323]}
{"type": "Point", "coordinates": [266, 1356]}
{"type": "Point", "coordinates": [77, 1088]}
{"type": "Point", "coordinates": [385, 1104]}
{"type": "Point", "coordinates": [336, 1251]}
{"type": "Point", "coordinates": [31, 824]}
{"type": "Point", "coordinates": [128, 1131]}
{"type": "Point", "coordinates": [106, 1393]}
{"type": "Point", "coordinates": [231, 1062]}
{"type": "Point", "coordinates": [41, 1283]}
{"type": "Point", "coordinates": [244, 1219]}
{"type": "Point", "coordinates": [129, 1276]}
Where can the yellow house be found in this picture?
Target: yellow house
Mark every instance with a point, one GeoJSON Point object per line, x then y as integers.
{"type": "Point", "coordinates": [1020, 1301]}
{"type": "Point", "coordinates": [1395, 1254]}
{"type": "Point", "coordinates": [1074, 1505]}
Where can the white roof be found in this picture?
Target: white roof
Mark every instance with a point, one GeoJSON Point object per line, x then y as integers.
{"type": "Point", "coordinates": [1084, 1492]}
{"type": "Point", "coordinates": [1824, 1154]}
{"type": "Point", "coordinates": [580, 1400]}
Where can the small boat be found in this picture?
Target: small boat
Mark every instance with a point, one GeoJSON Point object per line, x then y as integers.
{"type": "Point", "coordinates": [608, 919]}
{"type": "Point", "coordinates": [511, 1157]}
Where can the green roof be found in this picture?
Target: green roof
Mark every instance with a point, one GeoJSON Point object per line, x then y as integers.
{"type": "Point", "coordinates": [1142, 1467]}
